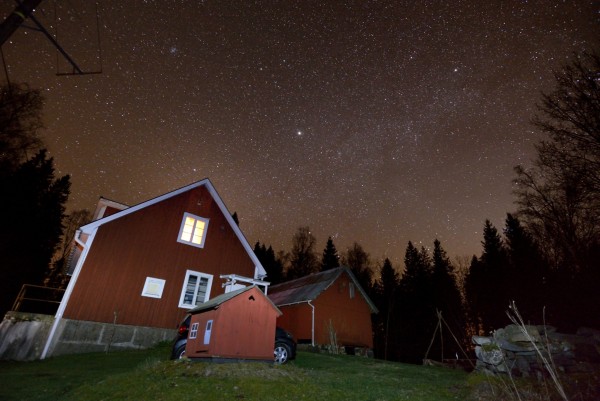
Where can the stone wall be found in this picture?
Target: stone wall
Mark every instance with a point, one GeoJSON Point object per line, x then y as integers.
{"type": "Point", "coordinates": [23, 336]}
{"type": "Point", "coordinates": [525, 351]}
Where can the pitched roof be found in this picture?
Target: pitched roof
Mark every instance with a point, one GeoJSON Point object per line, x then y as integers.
{"type": "Point", "coordinates": [220, 299]}
{"type": "Point", "coordinates": [89, 228]}
{"type": "Point", "coordinates": [308, 288]}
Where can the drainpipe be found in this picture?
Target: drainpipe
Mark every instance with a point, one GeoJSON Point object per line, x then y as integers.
{"type": "Point", "coordinates": [67, 294]}
{"type": "Point", "coordinates": [312, 332]}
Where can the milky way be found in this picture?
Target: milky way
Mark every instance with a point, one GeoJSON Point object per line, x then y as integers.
{"type": "Point", "coordinates": [374, 122]}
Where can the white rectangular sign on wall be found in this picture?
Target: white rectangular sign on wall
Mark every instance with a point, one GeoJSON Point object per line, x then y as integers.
{"type": "Point", "coordinates": [153, 287]}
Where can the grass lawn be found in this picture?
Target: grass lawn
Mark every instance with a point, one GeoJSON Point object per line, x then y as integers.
{"type": "Point", "coordinates": [149, 375]}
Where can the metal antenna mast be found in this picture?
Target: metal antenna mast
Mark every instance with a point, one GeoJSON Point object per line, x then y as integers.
{"type": "Point", "coordinates": [25, 10]}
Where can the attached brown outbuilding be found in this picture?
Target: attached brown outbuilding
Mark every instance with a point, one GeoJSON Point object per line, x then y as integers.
{"type": "Point", "coordinates": [318, 305]}
{"type": "Point", "coordinates": [238, 325]}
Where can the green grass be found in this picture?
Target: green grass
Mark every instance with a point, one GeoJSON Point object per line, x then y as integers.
{"type": "Point", "coordinates": [149, 375]}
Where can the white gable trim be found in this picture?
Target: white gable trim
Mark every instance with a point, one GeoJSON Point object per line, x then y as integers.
{"type": "Point", "coordinates": [360, 289]}
{"type": "Point", "coordinates": [259, 271]}
{"type": "Point", "coordinates": [67, 295]}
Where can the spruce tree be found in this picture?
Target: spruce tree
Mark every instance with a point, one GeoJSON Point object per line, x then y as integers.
{"type": "Point", "coordinates": [330, 259]}
{"type": "Point", "coordinates": [447, 300]}
{"type": "Point", "coordinates": [488, 282]}
{"type": "Point", "coordinates": [417, 312]}
{"type": "Point", "coordinates": [272, 265]}
{"type": "Point", "coordinates": [474, 292]}
{"type": "Point", "coordinates": [528, 272]}
{"type": "Point", "coordinates": [385, 294]}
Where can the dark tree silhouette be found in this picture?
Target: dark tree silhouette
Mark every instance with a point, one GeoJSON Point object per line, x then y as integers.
{"type": "Point", "coordinates": [474, 290]}
{"type": "Point", "coordinates": [235, 218]}
{"type": "Point", "coordinates": [272, 265]}
{"type": "Point", "coordinates": [559, 197]}
{"type": "Point", "coordinates": [447, 299]}
{"type": "Point", "coordinates": [330, 259]}
{"type": "Point", "coordinates": [33, 199]}
{"type": "Point", "coordinates": [56, 276]}
{"type": "Point", "coordinates": [385, 326]}
{"type": "Point", "coordinates": [359, 263]}
{"type": "Point", "coordinates": [417, 313]}
{"type": "Point", "coordinates": [528, 272]}
{"type": "Point", "coordinates": [31, 212]}
{"type": "Point", "coordinates": [20, 122]}
{"type": "Point", "coordinates": [487, 283]}
{"type": "Point", "coordinates": [303, 260]}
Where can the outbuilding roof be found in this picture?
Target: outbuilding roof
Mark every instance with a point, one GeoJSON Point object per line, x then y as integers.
{"type": "Point", "coordinates": [308, 288]}
{"type": "Point", "coordinates": [215, 302]}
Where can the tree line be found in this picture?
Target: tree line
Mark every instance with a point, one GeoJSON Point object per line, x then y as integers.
{"type": "Point", "coordinates": [32, 205]}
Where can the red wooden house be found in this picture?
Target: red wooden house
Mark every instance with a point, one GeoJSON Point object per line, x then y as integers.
{"type": "Point", "coordinates": [316, 304]}
{"type": "Point", "coordinates": [138, 270]}
{"type": "Point", "coordinates": [236, 325]}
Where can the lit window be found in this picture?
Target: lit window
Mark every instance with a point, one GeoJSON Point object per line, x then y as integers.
{"type": "Point", "coordinates": [194, 330]}
{"type": "Point", "coordinates": [193, 230]}
{"type": "Point", "coordinates": [196, 289]}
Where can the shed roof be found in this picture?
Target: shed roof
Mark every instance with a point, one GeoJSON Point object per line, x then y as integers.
{"type": "Point", "coordinates": [308, 288]}
{"type": "Point", "coordinates": [215, 302]}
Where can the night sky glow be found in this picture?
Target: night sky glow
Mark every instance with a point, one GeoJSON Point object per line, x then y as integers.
{"type": "Point", "coordinates": [375, 122]}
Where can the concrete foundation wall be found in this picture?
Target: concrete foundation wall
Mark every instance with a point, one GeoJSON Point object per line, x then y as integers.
{"type": "Point", "coordinates": [23, 336]}
{"type": "Point", "coordinates": [75, 337]}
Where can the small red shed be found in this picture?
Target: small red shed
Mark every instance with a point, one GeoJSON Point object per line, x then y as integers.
{"type": "Point", "coordinates": [236, 325]}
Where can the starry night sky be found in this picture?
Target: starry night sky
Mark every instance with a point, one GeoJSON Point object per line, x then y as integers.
{"type": "Point", "coordinates": [375, 122]}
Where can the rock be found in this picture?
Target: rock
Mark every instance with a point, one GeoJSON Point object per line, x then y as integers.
{"type": "Point", "coordinates": [521, 347]}
{"type": "Point", "coordinates": [490, 354]}
{"type": "Point", "coordinates": [515, 334]}
{"type": "Point", "coordinates": [512, 349]}
{"type": "Point", "coordinates": [480, 340]}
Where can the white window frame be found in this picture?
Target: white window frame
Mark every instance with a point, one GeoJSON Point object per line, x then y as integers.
{"type": "Point", "coordinates": [196, 219]}
{"type": "Point", "coordinates": [153, 287]}
{"type": "Point", "coordinates": [194, 330]}
{"type": "Point", "coordinates": [184, 289]}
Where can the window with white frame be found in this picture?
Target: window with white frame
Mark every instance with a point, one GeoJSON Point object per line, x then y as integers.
{"type": "Point", "coordinates": [196, 289]}
{"type": "Point", "coordinates": [193, 230]}
{"type": "Point", "coordinates": [194, 330]}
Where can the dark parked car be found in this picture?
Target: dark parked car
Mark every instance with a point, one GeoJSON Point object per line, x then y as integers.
{"type": "Point", "coordinates": [285, 345]}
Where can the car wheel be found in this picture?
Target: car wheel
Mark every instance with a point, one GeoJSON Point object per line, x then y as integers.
{"type": "Point", "coordinates": [281, 353]}
{"type": "Point", "coordinates": [180, 353]}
